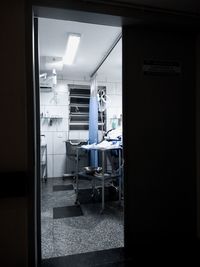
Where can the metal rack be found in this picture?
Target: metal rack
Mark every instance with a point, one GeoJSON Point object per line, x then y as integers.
{"type": "Point", "coordinates": [104, 177]}
{"type": "Point", "coordinates": [71, 148]}
{"type": "Point", "coordinates": [79, 97]}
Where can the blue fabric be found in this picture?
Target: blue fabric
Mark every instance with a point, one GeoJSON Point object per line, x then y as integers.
{"type": "Point", "coordinates": [93, 128]}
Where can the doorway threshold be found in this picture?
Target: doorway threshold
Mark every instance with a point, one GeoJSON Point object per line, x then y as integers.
{"type": "Point", "coordinates": [105, 258]}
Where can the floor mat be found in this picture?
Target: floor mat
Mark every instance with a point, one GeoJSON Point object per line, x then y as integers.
{"type": "Point", "coordinates": [62, 187]}
{"type": "Point", "coordinates": [68, 211]}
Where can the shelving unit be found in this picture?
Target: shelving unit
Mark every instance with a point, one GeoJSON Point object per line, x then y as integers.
{"type": "Point", "coordinates": [43, 162]}
{"type": "Point", "coordinates": [79, 98]}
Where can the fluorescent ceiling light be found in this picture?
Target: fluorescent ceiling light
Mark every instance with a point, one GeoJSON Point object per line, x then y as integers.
{"type": "Point", "coordinates": [71, 50]}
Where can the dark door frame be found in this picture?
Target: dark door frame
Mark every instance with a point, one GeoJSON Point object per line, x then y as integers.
{"type": "Point", "coordinates": [110, 14]}
{"type": "Point", "coordinates": [77, 16]}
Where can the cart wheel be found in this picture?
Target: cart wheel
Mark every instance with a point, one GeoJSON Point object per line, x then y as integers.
{"type": "Point", "coordinates": [101, 211]}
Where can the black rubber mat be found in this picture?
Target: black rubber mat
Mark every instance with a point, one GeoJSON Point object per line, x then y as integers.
{"type": "Point", "coordinates": [62, 187]}
{"type": "Point", "coordinates": [68, 211]}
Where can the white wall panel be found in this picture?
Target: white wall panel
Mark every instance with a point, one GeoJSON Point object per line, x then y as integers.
{"type": "Point", "coordinates": [59, 165]}
{"type": "Point", "coordinates": [58, 143]}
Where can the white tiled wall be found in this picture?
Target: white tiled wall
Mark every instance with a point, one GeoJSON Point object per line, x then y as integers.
{"type": "Point", "coordinates": [57, 133]}
{"type": "Point", "coordinates": [59, 143]}
{"type": "Point", "coordinates": [59, 165]}
{"type": "Point", "coordinates": [50, 165]}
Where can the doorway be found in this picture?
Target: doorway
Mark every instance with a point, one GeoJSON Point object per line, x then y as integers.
{"type": "Point", "coordinates": [142, 228]}
{"type": "Point", "coordinates": [77, 215]}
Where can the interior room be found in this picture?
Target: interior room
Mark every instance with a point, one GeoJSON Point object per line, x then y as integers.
{"type": "Point", "coordinates": [81, 144]}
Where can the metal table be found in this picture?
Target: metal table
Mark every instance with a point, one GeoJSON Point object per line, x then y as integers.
{"type": "Point", "coordinates": [104, 176]}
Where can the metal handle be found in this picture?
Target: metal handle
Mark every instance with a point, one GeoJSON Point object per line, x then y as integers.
{"type": "Point", "coordinates": [74, 144]}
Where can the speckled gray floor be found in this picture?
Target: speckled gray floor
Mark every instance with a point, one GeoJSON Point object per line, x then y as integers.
{"type": "Point", "coordinates": [73, 235]}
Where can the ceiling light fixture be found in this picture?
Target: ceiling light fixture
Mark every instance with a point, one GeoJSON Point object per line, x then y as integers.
{"type": "Point", "coordinates": [71, 49]}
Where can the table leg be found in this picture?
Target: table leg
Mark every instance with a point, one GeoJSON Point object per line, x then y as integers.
{"type": "Point", "coordinates": [103, 181]}
{"type": "Point", "coordinates": [93, 188]}
{"type": "Point", "coordinates": [77, 168]}
{"type": "Point", "coordinates": [120, 177]}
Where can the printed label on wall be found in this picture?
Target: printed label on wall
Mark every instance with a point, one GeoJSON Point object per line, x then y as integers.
{"type": "Point", "coordinates": [161, 67]}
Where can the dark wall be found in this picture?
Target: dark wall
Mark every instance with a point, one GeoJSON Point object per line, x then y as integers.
{"type": "Point", "coordinates": [13, 134]}
{"type": "Point", "coordinates": [159, 112]}
{"type": "Point", "coordinates": [158, 117]}
{"type": "Point", "coordinates": [16, 137]}
{"type": "Point", "coordinates": [13, 137]}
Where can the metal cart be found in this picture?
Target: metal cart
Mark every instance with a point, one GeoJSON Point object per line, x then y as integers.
{"type": "Point", "coordinates": [104, 176]}
{"type": "Point", "coordinates": [71, 153]}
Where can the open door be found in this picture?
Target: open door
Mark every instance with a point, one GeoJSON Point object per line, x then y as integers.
{"type": "Point", "coordinates": [70, 194]}
{"type": "Point", "coordinates": [36, 96]}
{"type": "Point", "coordinates": [159, 89]}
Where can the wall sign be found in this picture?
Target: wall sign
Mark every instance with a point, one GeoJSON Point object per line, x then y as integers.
{"type": "Point", "coordinates": [161, 67]}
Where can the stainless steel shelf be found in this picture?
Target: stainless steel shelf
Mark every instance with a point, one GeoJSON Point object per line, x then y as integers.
{"type": "Point", "coordinates": [99, 176]}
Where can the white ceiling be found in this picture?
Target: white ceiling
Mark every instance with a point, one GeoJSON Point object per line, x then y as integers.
{"type": "Point", "coordinates": [95, 42]}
